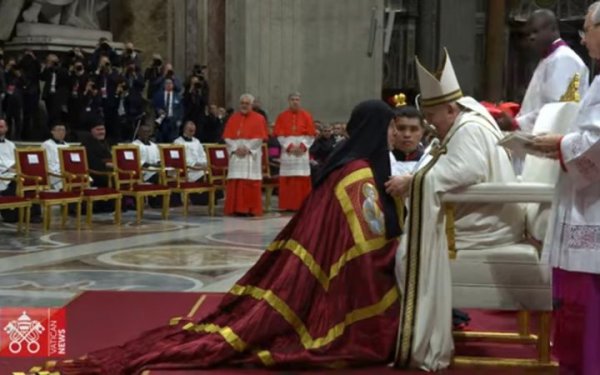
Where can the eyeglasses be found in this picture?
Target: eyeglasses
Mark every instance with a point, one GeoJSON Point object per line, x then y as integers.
{"type": "Point", "coordinates": [583, 33]}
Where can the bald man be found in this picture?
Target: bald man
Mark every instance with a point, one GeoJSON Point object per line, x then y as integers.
{"type": "Point", "coordinates": [558, 64]}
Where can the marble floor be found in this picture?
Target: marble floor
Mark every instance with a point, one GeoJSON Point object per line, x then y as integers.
{"type": "Point", "coordinates": [197, 253]}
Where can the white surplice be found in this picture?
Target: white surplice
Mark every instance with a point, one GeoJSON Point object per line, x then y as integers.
{"type": "Point", "coordinates": [292, 165]}
{"type": "Point", "coordinates": [7, 162]}
{"type": "Point", "coordinates": [248, 167]}
{"type": "Point", "coordinates": [574, 242]}
{"type": "Point", "coordinates": [468, 155]}
{"type": "Point", "coordinates": [53, 162]}
{"type": "Point", "coordinates": [149, 154]}
{"type": "Point", "coordinates": [194, 156]}
{"type": "Point", "coordinates": [549, 82]}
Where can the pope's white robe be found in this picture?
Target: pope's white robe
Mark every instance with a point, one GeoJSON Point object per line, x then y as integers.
{"type": "Point", "coordinates": [574, 242]}
{"type": "Point", "coordinates": [292, 165]}
{"type": "Point", "coordinates": [7, 162]}
{"type": "Point", "coordinates": [248, 167]}
{"type": "Point", "coordinates": [53, 162]}
{"type": "Point", "coordinates": [549, 82]}
{"type": "Point", "coordinates": [149, 154]}
{"type": "Point", "coordinates": [468, 155]}
{"type": "Point", "coordinates": [194, 156]}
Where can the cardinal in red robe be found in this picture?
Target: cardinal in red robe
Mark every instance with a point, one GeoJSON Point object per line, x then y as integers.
{"type": "Point", "coordinates": [295, 131]}
{"type": "Point", "coordinates": [244, 135]}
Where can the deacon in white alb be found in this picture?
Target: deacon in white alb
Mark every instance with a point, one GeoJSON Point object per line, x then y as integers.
{"type": "Point", "coordinates": [195, 157]}
{"type": "Point", "coordinates": [149, 153]}
{"type": "Point", "coordinates": [51, 146]}
{"type": "Point", "coordinates": [554, 72]}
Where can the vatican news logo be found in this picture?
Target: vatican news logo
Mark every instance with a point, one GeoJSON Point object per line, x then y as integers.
{"type": "Point", "coordinates": [32, 332]}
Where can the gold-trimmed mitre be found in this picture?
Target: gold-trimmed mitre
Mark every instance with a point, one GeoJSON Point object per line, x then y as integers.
{"type": "Point", "coordinates": [438, 88]}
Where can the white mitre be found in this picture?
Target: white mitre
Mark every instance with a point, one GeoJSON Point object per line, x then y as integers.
{"type": "Point", "coordinates": [438, 88]}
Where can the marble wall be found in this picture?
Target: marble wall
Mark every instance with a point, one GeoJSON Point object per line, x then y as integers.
{"type": "Point", "coordinates": [143, 22]}
{"type": "Point", "coordinates": [267, 47]}
{"type": "Point", "coordinates": [317, 47]}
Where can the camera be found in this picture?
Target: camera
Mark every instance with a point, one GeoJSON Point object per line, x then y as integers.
{"type": "Point", "coordinates": [78, 68]}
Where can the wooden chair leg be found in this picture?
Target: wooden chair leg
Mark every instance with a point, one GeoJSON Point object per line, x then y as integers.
{"type": "Point", "coordinates": [211, 202]}
{"type": "Point", "coordinates": [20, 219]}
{"type": "Point", "coordinates": [27, 218]}
{"type": "Point", "coordinates": [523, 319]}
{"type": "Point", "coordinates": [47, 217]}
{"type": "Point", "coordinates": [544, 337]}
{"type": "Point", "coordinates": [186, 203]}
{"type": "Point", "coordinates": [118, 207]}
{"type": "Point", "coordinates": [89, 208]}
{"type": "Point", "coordinates": [165, 205]}
{"type": "Point", "coordinates": [63, 215]}
{"type": "Point", "coordinates": [139, 208]}
{"type": "Point", "coordinates": [78, 214]}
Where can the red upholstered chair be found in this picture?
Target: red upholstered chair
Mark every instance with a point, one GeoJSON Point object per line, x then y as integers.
{"type": "Point", "coordinates": [269, 183]}
{"type": "Point", "coordinates": [76, 178]}
{"type": "Point", "coordinates": [218, 163]}
{"type": "Point", "coordinates": [129, 182]}
{"type": "Point", "coordinates": [33, 184]}
{"type": "Point", "coordinates": [173, 163]}
{"type": "Point", "coordinates": [23, 205]}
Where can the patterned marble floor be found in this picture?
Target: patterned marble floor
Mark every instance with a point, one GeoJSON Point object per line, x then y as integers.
{"type": "Point", "coordinates": [197, 253]}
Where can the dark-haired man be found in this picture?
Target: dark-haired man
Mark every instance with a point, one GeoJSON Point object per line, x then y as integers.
{"type": "Point", "coordinates": [405, 140]}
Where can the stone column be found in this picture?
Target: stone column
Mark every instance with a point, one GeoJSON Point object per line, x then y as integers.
{"type": "Point", "coordinates": [495, 50]}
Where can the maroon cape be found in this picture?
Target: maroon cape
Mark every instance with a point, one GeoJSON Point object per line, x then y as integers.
{"type": "Point", "coordinates": [322, 294]}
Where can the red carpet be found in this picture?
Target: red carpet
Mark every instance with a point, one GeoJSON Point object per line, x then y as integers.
{"type": "Point", "coordinates": [100, 319]}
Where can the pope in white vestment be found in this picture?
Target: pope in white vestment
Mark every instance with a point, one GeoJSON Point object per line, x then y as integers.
{"type": "Point", "coordinates": [466, 154]}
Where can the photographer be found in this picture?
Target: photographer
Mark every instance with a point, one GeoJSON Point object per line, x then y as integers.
{"type": "Point", "coordinates": [168, 74]}
{"type": "Point", "coordinates": [195, 105]}
{"type": "Point", "coordinates": [78, 79]}
{"type": "Point", "coordinates": [13, 99]}
{"type": "Point", "coordinates": [30, 68]}
{"type": "Point", "coordinates": [102, 50]}
{"type": "Point", "coordinates": [133, 76]}
{"type": "Point", "coordinates": [56, 89]}
{"type": "Point", "coordinates": [130, 56]}
{"type": "Point", "coordinates": [106, 78]}
{"type": "Point", "coordinates": [129, 108]}
{"type": "Point", "coordinates": [152, 74]}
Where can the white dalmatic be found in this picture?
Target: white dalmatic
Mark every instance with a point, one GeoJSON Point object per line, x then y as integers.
{"type": "Point", "coordinates": [194, 157]}
{"type": "Point", "coordinates": [401, 168]}
{"type": "Point", "coordinates": [149, 154]}
{"type": "Point", "coordinates": [549, 82]}
{"type": "Point", "coordinates": [573, 242]}
{"type": "Point", "coordinates": [7, 162]}
{"type": "Point", "coordinates": [467, 155]}
{"type": "Point", "coordinates": [292, 165]}
{"type": "Point", "coordinates": [53, 162]}
{"type": "Point", "coordinates": [247, 167]}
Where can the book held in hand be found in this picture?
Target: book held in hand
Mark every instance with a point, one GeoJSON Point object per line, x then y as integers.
{"type": "Point", "coordinates": [519, 142]}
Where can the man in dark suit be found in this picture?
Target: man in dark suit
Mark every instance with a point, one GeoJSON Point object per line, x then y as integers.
{"type": "Point", "coordinates": [106, 78]}
{"type": "Point", "coordinates": [168, 108]}
{"type": "Point", "coordinates": [99, 156]}
{"type": "Point", "coordinates": [56, 89]}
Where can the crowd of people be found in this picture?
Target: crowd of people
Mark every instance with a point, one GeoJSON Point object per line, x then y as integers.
{"type": "Point", "coordinates": [77, 88]}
